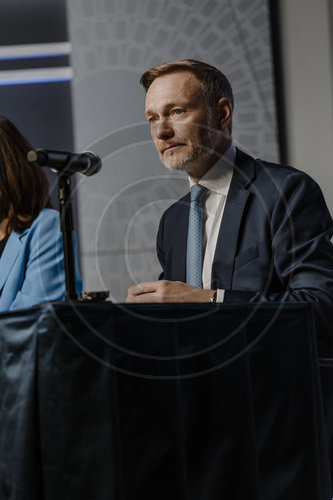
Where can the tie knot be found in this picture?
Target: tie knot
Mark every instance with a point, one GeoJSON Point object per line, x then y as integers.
{"type": "Point", "coordinates": [197, 192]}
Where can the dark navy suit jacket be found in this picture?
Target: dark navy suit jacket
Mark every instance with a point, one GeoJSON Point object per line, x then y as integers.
{"type": "Point", "coordinates": [274, 242]}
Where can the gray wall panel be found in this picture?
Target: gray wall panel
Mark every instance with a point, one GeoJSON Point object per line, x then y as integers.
{"type": "Point", "coordinates": [113, 42]}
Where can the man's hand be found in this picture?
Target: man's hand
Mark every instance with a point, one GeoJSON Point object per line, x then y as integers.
{"type": "Point", "coordinates": [167, 291]}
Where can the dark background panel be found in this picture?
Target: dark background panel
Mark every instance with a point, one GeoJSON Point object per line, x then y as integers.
{"type": "Point", "coordinates": [33, 21]}
{"type": "Point", "coordinates": [34, 62]}
{"type": "Point", "coordinates": [41, 111]}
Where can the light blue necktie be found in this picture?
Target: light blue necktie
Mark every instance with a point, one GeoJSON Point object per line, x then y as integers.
{"type": "Point", "coordinates": [194, 238]}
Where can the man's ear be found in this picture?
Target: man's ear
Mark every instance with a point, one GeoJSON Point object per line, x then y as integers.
{"type": "Point", "coordinates": [224, 113]}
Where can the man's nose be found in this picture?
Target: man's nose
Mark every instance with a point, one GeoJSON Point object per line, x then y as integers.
{"type": "Point", "coordinates": [164, 130]}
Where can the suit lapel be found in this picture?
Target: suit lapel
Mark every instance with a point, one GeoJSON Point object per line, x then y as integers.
{"type": "Point", "coordinates": [226, 247]}
{"type": "Point", "coordinates": [10, 254]}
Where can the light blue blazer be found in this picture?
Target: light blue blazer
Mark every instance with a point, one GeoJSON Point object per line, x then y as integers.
{"type": "Point", "coordinates": [32, 264]}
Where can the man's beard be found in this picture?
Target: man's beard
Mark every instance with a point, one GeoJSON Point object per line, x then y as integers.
{"type": "Point", "coordinates": [198, 154]}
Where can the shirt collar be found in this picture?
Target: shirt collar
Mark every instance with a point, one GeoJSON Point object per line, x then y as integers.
{"type": "Point", "coordinates": [218, 177]}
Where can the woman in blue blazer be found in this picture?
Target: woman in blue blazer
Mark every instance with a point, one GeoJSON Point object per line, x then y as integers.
{"type": "Point", "coordinates": [32, 260]}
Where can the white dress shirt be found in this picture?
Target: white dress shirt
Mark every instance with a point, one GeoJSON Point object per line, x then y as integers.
{"type": "Point", "coordinates": [217, 180]}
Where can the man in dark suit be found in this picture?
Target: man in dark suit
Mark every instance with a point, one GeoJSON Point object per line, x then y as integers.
{"type": "Point", "coordinates": [267, 230]}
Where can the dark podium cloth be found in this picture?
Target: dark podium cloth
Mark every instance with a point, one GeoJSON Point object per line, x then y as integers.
{"type": "Point", "coordinates": [134, 402]}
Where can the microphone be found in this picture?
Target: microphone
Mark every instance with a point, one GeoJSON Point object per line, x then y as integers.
{"type": "Point", "coordinates": [86, 163]}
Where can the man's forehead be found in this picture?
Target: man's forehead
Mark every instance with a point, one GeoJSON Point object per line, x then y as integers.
{"type": "Point", "coordinates": [175, 86]}
{"type": "Point", "coordinates": [178, 79]}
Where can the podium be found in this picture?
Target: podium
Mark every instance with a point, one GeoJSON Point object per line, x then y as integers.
{"type": "Point", "coordinates": [144, 402]}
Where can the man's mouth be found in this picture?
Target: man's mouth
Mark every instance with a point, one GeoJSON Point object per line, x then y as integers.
{"type": "Point", "coordinates": [170, 147]}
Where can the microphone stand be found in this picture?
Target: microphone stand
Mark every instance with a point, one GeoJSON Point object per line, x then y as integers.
{"type": "Point", "coordinates": [66, 222]}
{"type": "Point", "coordinates": [65, 164]}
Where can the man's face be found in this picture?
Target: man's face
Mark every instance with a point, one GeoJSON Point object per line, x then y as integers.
{"type": "Point", "coordinates": [183, 125]}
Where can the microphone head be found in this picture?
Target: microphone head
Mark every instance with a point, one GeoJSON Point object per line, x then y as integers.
{"type": "Point", "coordinates": [95, 164]}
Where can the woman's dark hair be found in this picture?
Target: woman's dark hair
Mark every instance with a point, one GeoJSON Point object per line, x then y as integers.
{"type": "Point", "coordinates": [24, 189]}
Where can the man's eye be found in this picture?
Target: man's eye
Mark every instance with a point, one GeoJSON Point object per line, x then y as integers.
{"type": "Point", "coordinates": [152, 120]}
{"type": "Point", "coordinates": [178, 111]}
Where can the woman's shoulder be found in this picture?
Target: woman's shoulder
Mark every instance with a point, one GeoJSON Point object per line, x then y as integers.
{"type": "Point", "coordinates": [46, 223]}
{"type": "Point", "coordinates": [46, 216]}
